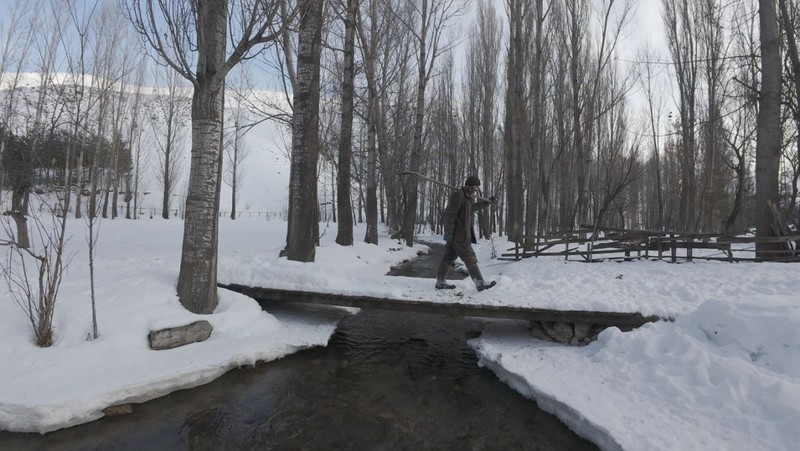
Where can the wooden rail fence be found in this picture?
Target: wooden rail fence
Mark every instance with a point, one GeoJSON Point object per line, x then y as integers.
{"type": "Point", "coordinates": [608, 243]}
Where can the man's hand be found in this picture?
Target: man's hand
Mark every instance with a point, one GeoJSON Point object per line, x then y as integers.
{"type": "Point", "coordinates": [448, 238]}
{"type": "Point", "coordinates": [492, 200]}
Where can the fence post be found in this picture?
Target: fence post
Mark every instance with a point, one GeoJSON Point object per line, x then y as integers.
{"type": "Point", "coordinates": [689, 249]}
{"type": "Point", "coordinates": [672, 246]}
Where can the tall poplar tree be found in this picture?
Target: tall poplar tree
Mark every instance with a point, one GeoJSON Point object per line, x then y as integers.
{"type": "Point", "coordinates": [768, 144]}
{"type": "Point", "coordinates": [302, 231]}
{"type": "Point", "coordinates": [345, 225]}
{"type": "Point", "coordinates": [192, 38]}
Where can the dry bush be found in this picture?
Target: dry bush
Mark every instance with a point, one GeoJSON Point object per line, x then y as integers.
{"type": "Point", "coordinates": [34, 274]}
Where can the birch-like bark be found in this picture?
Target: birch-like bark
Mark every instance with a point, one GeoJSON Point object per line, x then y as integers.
{"type": "Point", "coordinates": [191, 37]}
{"type": "Point", "coordinates": [197, 281]}
{"type": "Point", "coordinates": [302, 229]}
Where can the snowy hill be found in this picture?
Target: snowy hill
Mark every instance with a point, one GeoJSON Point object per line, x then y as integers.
{"type": "Point", "coordinates": [266, 169]}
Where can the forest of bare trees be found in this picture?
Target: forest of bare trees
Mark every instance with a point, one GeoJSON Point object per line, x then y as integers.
{"type": "Point", "coordinates": [568, 113]}
{"type": "Point", "coordinates": [569, 120]}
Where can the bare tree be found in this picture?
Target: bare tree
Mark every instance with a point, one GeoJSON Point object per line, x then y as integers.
{"type": "Point", "coordinates": [344, 234]}
{"type": "Point", "coordinates": [613, 17]}
{"type": "Point", "coordinates": [536, 156]}
{"type": "Point", "coordinates": [739, 132]}
{"type": "Point", "coordinates": [740, 137]}
{"type": "Point", "coordinates": [11, 67]}
{"type": "Point", "coordinates": [714, 65]}
{"type": "Point", "coordinates": [369, 56]}
{"type": "Point", "coordinates": [396, 114]}
{"type": "Point", "coordinates": [768, 145]}
{"type": "Point", "coordinates": [680, 17]}
{"type": "Point", "coordinates": [789, 22]}
{"type": "Point", "coordinates": [83, 94]}
{"type": "Point", "coordinates": [654, 93]}
{"type": "Point", "coordinates": [384, 58]}
{"type": "Point", "coordinates": [516, 129]}
{"type": "Point", "coordinates": [108, 72]}
{"type": "Point", "coordinates": [433, 19]}
{"type": "Point", "coordinates": [17, 37]}
{"type": "Point", "coordinates": [562, 162]}
{"type": "Point", "coordinates": [106, 67]}
{"type": "Point", "coordinates": [302, 230]}
{"type": "Point", "coordinates": [480, 100]}
{"type": "Point", "coordinates": [445, 141]}
{"type": "Point", "coordinates": [192, 38]}
{"type": "Point", "coordinates": [235, 149]}
{"type": "Point", "coordinates": [121, 119]}
{"type": "Point", "coordinates": [132, 181]}
{"type": "Point", "coordinates": [20, 176]}
{"type": "Point", "coordinates": [168, 120]}
{"type": "Point", "coordinates": [618, 161]}
{"type": "Point", "coordinates": [37, 296]}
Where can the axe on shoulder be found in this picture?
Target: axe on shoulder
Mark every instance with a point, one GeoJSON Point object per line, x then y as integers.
{"type": "Point", "coordinates": [425, 177]}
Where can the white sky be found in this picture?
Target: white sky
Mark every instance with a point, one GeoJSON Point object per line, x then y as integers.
{"type": "Point", "coordinates": [725, 375]}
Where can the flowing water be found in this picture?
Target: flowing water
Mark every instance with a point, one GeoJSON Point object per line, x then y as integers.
{"type": "Point", "coordinates": [386, 381]}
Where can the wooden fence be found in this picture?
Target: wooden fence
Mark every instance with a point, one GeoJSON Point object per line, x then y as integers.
{"type": "Point", "coordinates": [607, 243]}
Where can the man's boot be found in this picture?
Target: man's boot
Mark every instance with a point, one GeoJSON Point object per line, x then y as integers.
{"type": "Point", "coordinates": [443, 285]}
{"type": "Point", "coordinates": [485, 286]}
{"type": "Point", "coordinates": [477, 277]}
{"type": "Point", "coordinates": [441, 275]}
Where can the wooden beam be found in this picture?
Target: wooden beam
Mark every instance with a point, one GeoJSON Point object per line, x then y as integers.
{"type": "Point", "coordinates": [760, 239]}
{"type": "Point", "coordinates": [624, 321]}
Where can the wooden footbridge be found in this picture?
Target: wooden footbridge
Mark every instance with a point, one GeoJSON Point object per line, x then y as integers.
{"type": "Point", "coordinates": [625, 321]}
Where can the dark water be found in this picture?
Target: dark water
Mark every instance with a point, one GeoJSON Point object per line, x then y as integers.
{"type": "Point", "coordinates": [386, 381]}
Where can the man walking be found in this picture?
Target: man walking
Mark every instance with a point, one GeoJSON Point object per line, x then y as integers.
{"type": "Point", "coordinates": [459, 236]}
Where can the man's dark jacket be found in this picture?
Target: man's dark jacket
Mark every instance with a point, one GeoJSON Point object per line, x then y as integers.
{"type": "Point", "coordinates": [458, 216]}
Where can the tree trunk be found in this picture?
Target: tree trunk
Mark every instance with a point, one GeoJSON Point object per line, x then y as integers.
{"type": "Point", "coordinates": [373, 116]}
{"type": "Point", "coordinates": [738, 197]}
{"type": "Point", "coordinates": [344, 236]}
{"type": "Point", "coordinates": [794, 58]}
{"type": "Point", "coordinates": [94, 185]}
{"type": "Point", "coordinates": [371, 235]}
{"type": "Point", "coordinates": [539, 111]}
{"type": "Point", "coordinates": [19, 211]}
{"type": "Point", "coordinates": [302, 229]}
{"type": "Point", "coordinates": [410, 217]}
{"type": "Point", "coordinates": [768, 145]}
{"type": "Point", "coordinates": [233, 189]}
{"type": "Point", "coordinates": [235, 168]}
{"type": "Point", "coordinates": [197, 281]}
{"type": "Point", "coordinates": [581, 154]}
{"type": "Point", "coordinates": [489, 53]}
{"type": "Point", "coordinates": [116, 184]}
{"type": "Point", "coordinates": [79, 178]}
{"type": "Point", "coordinates": [516, 122]}
{"type": "Point", "coordinates": [167, 180]}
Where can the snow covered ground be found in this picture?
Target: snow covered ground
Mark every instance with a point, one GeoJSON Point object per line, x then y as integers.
{"type": "Point", "coordinates": [136, 269]}
{"type": "Point", "coordinates": [724, 375]}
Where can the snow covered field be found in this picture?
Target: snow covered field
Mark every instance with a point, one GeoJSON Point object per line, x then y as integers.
{"type": "Point", "coordinates": [724, 375]}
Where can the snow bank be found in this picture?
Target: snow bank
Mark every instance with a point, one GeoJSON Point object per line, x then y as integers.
{"type": "Point", "coordinates": [722, 377]}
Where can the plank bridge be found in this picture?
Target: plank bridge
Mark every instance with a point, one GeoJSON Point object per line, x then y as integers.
{"type": "Point", "coordinates": [625, 321]}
